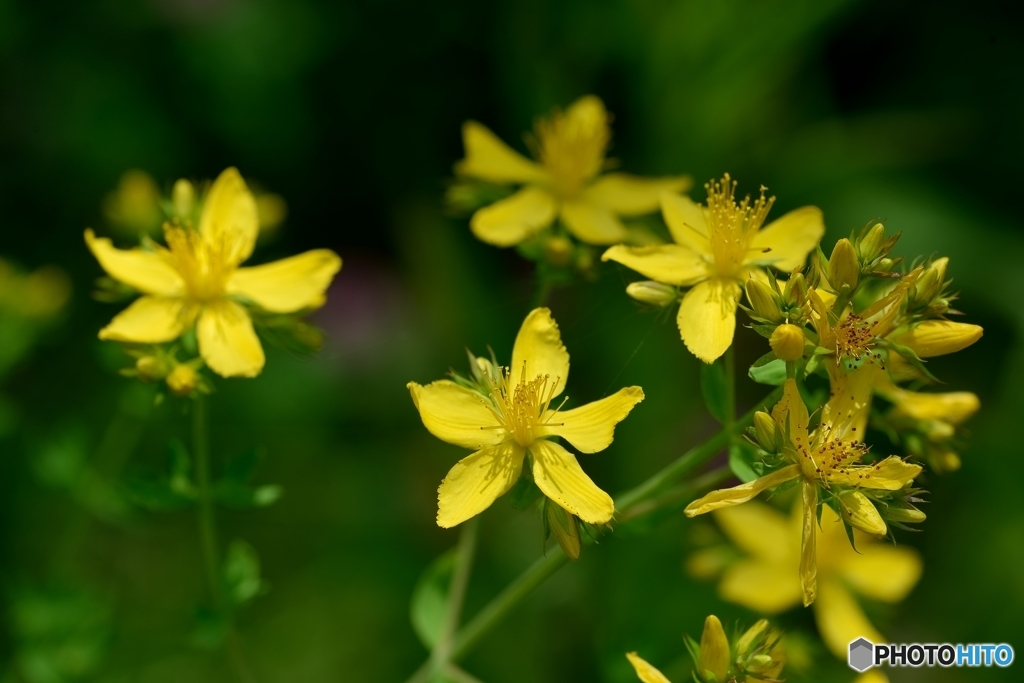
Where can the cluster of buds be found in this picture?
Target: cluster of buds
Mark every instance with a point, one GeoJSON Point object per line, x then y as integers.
{"type": "Point", "coordinates": [756, 656]}
{"type": "Point", "coordinates": [160, 365]}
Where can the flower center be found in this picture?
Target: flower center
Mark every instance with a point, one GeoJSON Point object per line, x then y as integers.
{"type": "Point", "coordinates": [521, 407]}
{"type": "Point", "coordinates": [203, 266]}
{"type": "Point", "coordinates": [733, 225]}
{"type": "Point", "coordinates": [830, 455]}
{"type": "Point", "coordinates": [572, 148]}
{"type": "Point", "coordinates": [854, 337]}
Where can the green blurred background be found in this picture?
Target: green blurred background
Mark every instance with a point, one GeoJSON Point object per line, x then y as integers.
{"type": "Point", "coordinates": [909, 112]}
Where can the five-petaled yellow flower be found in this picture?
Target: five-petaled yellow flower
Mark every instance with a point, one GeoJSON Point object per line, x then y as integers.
{"type": "Point", "coordinates": [565, 181]}
{"type": "Point", "coordinates": [764, 581]}
{"type": "Point", "coordinates": [514, 421]}
{"type": "Point", "coordinates": [197, 280]}
{"type": "Point", "coordinates": [830, 458]}
{"type": "Point", "coordinates": [717, 248]}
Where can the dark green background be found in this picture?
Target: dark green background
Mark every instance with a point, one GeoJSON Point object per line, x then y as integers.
{"type": "Point", "coordinates": [909, 112]}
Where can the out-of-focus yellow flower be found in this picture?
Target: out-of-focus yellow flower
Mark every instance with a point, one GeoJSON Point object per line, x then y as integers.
{"type": "Point", "coordinates": [644, 671]}
{"type": "Point", "coordinates": [39, 294]}
{"type": "Point", "coordinates": [272, 210]}
{"type": "Point", "coordinates": [134, 206]}
{"type": "Point", "coordinates": [198, 280]}
{"type": "Point", "coordinates": [828, 460]}
{"type": "Point", "coordinates": [717, 248]}
{"type": "Point", "coordinates": [765, 581]}
{"type": "Point", "coordinates": [565, 181]}
{"type": "Point", "coordinates": [514, 419]}
{"type": "Point", "coordinates": [872, 676]}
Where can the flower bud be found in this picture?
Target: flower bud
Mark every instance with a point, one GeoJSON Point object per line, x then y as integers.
{"type": "Point", "coordinates": [764, 430]}
{"type": "Point", "coordinates": [653, 293]}
{"type": "Point", "coordinates": [860, 513]}
{"type": "Point", "coordinates": [564, 528]}
{"type": "Point", "coordinates": [182, 380]}
{"type": "Point", "coordinates": [795, 292]}
{"type": "Point", "coordinates": [787, 341]}
{"type": "Point", "coordinates": [762, 300]}
{"type": "Point", "coordinates": [760, 663]}
{"type": "Point", "coordinates": [939, 337]}
{"type": "Point", "coordinates": [183, 198]}
{"type": "Point", "coordinates": [150, 368]}
{"type": "Point", "coordinates": [558, 250]}
{"type": "Point", "coordinates": [843, 266]}
{"type": "Point", "coordinates": [714, 649]}
{"type": "Point", "coordinates": [944, 461]}
{"type": "Point", "coordinates": [907, 515]}
{"type": "Point", "coordinates": [870, 244]}
{"type": "Point", "coordinates": [751, 636]}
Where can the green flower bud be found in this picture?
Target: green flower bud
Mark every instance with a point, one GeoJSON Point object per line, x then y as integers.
{"type": "Point", "coordinates": [858, 510]}
{"type": "Point", "coordinates": [564, 528]}
{"type": "Point", "coordinates": [762, 300]}
{"type": "Point", "coordinates": [653, 293]}
{"type": "Point", "coordinates": [869, 246]}
{"type": "Point", "coordinates": [764, 430]}
{"type": "Point", "coordinates": [183, 198]}
{"type": "Point", "coordinates": [843, 266]}
{"type": "Point", "coordinates": [714, 649]}
{"type": "Point", "coordinates": [558, 250]}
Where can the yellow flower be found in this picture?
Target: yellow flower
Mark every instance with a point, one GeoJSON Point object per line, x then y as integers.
{"type": "Point", "coordinates": [135, 205]}
{"type": "Point", "coordinates": [197, 280]}
{"type": "Point", "coordinates": [717, 248]}
{"type": "Point", "coordinates": [516, 418]}
{"type": "Point", "coordinates": [829, 460]}
{"type": "Point", "coordinates": [765, 582]}
{"type": "Point", "coordinates": [565, 181]}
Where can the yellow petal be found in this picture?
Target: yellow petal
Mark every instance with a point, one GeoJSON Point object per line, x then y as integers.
{"type": "Point", "coordinates": [707, 318]}
{"type": "Point", "coordinates": [146, 271]}
{"type": "Point", "coordinates": [759, 530]}
{"type": "Point", "coordinates": [644, 671]}
{"type": "Point", "coordinates": [667, 263]}
{"type": "Point", "coordinates": [891, 474]}
{"type": "Point", "coordinates": [230, 222]}
{"type": "Point", "coordinates": [786, 241]}
{"type": "Point", "coordinates": [850, 404]}
{"type": "Point", "coordinates": [765, 587]}
{"type": "Point", "coordinates": [560, 478]}
{"type": "Point", "coordinates": [455, 414]}
{"type": "Point", "coordinates": [791, 410]}
{"type": "Point", "coordinates": [488, 158]}
{"type": "Point", "coordinates": [539, 351]}
{"type": "Point", "coordinates": [953, 407]}
{"type": "Point", "coordinates": [742, 493]}
{"type": "Point", "coordinates": [478, 480]}
{"type": "Point", "coordinates": [592, 223]}
{"type": "Point", "coordinates": [687, 223]}
{"type": "Point", "coordinates": [882, 572]}
{"type": "Point", "coordinates": [840, 619]}
{"type": "Point", "coordinates": [288, 285]}
{"type": "Point", "coordinates": [630, 195]}
{"type": "Point", "coordinates": [809, 541]}
{"type": "Point", "coordinates": [227, 341]}
{"type": "Point", "coordinates": [939, 337]}
{"type": "Point", "coordinates": [149, 320]}
{"type": "Point", "coordinates": [513, 219]}
{"type": "Point", "coordinates": [591, 427]}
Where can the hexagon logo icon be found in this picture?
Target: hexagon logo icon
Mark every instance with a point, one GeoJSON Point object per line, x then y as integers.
{"type": "Point", "coordinates": [861, 654]}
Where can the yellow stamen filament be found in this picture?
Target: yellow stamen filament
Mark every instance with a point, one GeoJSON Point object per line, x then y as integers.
{"type": "Point", "coordinates": [203, 266]}
{"type": "Point", "coordinates": [572, 150]}
{"type": "Point", "coordinates": [733, 225]}
{"type": "Point", "coordinates": [522, 407]}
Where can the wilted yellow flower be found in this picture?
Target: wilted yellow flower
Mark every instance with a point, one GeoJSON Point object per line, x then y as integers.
{"type": "Point", "coordinates": [718, 248]}
{"type": "Point", "coordinates": [513, 421]}
{"type": "Point", "coordinates": [829, 460]}
{"type": "Point", "coordinates": [197, 280]}
{"type": "Point", "coordinates": [766, 583]}
{"type": "Point", "coordinates": [565, 181]}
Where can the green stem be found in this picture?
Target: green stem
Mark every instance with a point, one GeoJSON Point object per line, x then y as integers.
{"type": "Point", "coordinates": [674, 497]}
{"type": "Point", "coordinates": [544, 287]}
{"type": "Point", "coordinates": [208, 538]}
{"type": "Point", "coordinates": [457, 593]}
{"type": "Point", "coordinates": [207, 519]}
{"type": "Point", "coordinates": [730, 393]}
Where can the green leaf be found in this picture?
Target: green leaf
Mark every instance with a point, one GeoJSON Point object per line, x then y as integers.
{"type": "Point", "coordinates": [429, 602]}
{"type": "Point", "coordinates": [772, 373]}
{"type": "Point", "coordinates": [741, 463]}
{"type": "Point", "coordinates": [715, 389]}
{"type": "Point", "coordinates": [241, 573]}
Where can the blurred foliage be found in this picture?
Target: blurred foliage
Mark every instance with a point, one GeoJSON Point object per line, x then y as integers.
{"type": "Point", "coordinates": [351, 112]}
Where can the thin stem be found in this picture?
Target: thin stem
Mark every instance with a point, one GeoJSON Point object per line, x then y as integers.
{"type": "Point", "coordinates": [207, 519]}
{"type": "Point", "coordinates": [674, 497]}
{"type": "Point", "coordinates": [730, 393]}
{"type": "Point", "coordinates": [543, 292]}
{"type": "Point", "coordinates": [457, 593]}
